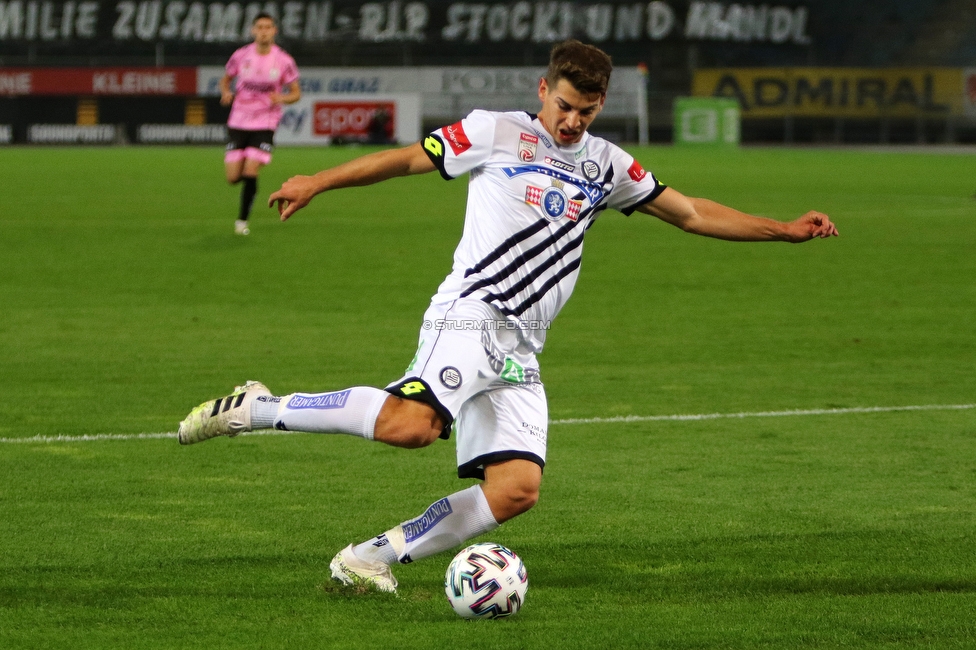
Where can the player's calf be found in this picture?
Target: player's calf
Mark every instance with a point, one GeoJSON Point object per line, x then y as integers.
{"type": "Point", "coordinates": [407, 423]}
{"type": "Point", "coordinates": [512, 487]}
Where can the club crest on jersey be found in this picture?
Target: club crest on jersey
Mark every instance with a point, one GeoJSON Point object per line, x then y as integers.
{"type": "Point", "coordinates": [591, 170]}
{"type": "Point", "coordinates": [274, 73]}
{"type": "Point", "coordinates": [527, 147]}
{"type": "Point", "coordinates": [554, 202]}
{"type": "Point", "coordinates": [450, 377]}
{"type": "Point", "coordinates": [558, 164]}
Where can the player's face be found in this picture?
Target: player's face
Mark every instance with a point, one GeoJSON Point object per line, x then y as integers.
{"type": "Point", "coordinates": [264, 31]}
{"type": "Point", "coordinates": [566, 112]}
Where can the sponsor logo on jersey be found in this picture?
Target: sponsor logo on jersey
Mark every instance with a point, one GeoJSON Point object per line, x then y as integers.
{"type": "Point", "coordinates": [591, 170]}
{"type": "Point", "coordinates": [417, 527]}
{"type": "Point", "coordinates": [553, 202]}
{"type": "Point", "coordinates": [320, 402]}
{"type": "Point", "coordinates": [543, 137]}
{"type": "Point", "coordinates": [412, 388]}
{"type": "Point", "coordinates": [533, 430]}
{"type": "Point", "coordinates": [527, 147]}
{"type": "Point", "coordinates": [257, 86]}
{"type": "Point", "coordinates": [581, 153]}
{"type": "Point", "coordinates": [434, 145]}
{"type": "Point", "coordinates": [457, 138]}
{"type": "Point", "coordinates": [558, 164]}
{"type": "Point", "coordinates": [595, 192]}
{"type": "Point", "coordinates": [637, 172]}
{"type": "Point", "coordinates": [514, 372]}
{"type": "Point", "coordinates": [573, 209]}
{"type": "Point", "coordinates": [496, 358]}
{"type": "Point", "coordinates": [451, 377]}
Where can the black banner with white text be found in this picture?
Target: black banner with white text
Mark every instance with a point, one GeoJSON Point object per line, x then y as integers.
{"type": "Point", "coordinates": [123, 26]}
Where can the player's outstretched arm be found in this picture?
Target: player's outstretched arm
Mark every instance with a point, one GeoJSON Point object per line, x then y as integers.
{"type": "Point", "coordinates": [298, 191]}
{"type": "Point", "coordinates": [226, 94]}
{"type": "Point", "coordinates": [705, 217]}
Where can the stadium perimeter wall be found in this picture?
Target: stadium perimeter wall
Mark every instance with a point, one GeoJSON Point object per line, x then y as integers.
{"type": "Point", "coordinates": [819, 105]}
{"type": "Point", "coordinates": [38, 105]}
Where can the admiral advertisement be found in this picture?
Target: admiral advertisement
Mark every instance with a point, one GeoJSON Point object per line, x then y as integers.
{"type": "Point", "coordinates": [837, 92]}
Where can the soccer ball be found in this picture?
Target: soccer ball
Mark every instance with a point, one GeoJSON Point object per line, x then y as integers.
{"type": "Point", "coordinates": [486, 581]}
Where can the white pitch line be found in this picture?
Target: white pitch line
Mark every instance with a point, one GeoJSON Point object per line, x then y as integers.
{"type": "Point", "coordinates": [766, 414]}
{"type": "Point", "coordinates": [620, 418]}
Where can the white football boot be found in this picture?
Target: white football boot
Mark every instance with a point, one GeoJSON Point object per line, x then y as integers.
{"type": "Point", "coordinates": [241, 228]}
{"type": "Point", "coordinates": [350, 570]}
{"type": "Point", "coordinates": [226, 416]}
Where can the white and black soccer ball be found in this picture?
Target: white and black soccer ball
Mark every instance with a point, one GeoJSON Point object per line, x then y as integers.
{"type": "Point", "coordinates": [486, 581]}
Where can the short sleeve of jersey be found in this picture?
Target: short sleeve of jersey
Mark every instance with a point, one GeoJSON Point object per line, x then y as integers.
{"type": "Point", "coordinates": [289, 72]}
{"type": "Point", "coordinates": [462, 146]}
{"type": "Point", "coordinates": [234, 63]}
{"type": "Point", "coordinates": [635, 186]}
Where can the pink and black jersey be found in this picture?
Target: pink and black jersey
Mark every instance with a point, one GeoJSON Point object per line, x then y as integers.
{"type": "Point", "coordinates": [529, 203]}
{"type": "Point", "coordinates": [257, 76]}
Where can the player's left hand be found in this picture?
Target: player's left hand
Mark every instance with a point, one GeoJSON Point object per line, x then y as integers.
{"type": "Point", "coordinates": [812, 225]}
{"type": "Point", "coordinates": [294, 195]}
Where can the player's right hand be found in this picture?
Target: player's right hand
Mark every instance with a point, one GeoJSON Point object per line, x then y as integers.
{"type": "Point", "coordinates": [812, 225]}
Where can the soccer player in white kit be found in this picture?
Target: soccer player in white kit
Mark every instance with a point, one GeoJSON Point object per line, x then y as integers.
{"type": "Point", "coordinates": [261, 70]}
{"type": "Point", "coordinates": [537, 182]}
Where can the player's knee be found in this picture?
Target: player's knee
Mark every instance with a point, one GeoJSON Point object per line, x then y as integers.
{"type": "Point", "coordinates": [408, 424]}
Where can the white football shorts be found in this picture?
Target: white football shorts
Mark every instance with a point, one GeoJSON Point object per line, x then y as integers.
{"type": "Point", "coordinates": [473, 368]}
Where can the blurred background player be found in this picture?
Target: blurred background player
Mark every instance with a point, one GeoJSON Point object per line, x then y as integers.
{"type": "Point", "coordinates": [262, 70]}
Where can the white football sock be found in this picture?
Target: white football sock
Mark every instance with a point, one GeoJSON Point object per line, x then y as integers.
{"type": "Point", "coordinates": [447, 523]}
{"type": "Point", "coordinates": [353, 411]}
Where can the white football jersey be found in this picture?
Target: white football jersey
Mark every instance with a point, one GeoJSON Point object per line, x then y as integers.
{"type": "Point", "coordinates": [529, 203]}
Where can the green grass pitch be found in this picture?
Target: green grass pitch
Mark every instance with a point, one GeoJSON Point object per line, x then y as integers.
{"type": "Point", "coordinates": [125, 300]}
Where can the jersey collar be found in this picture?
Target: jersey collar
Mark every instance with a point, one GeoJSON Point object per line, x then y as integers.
{"type": "Point", "coordinates": [570, 150]}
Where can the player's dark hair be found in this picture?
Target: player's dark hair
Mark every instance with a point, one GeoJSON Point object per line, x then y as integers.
{"type": "Point", "coordinates": [263, 15]}
{"type": "Point", "coordinates": [586, 67]}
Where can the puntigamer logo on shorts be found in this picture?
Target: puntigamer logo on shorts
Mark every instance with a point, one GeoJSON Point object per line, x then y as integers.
{"type": "Point", "coordinates": [326, 401]}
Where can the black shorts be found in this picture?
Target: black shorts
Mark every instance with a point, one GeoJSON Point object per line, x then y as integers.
{"type": "Point", "coordinates": [239, 139]}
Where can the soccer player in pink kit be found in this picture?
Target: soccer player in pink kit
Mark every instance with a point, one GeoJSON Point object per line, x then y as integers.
{"type": "Point", "coordinates": [262, 70]}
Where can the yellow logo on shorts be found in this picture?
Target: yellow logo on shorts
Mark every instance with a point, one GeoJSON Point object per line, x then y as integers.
{"type": "Point", "coordinates": [434, 146]}
{"type": "Point", "coordinates": [412, 388]}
